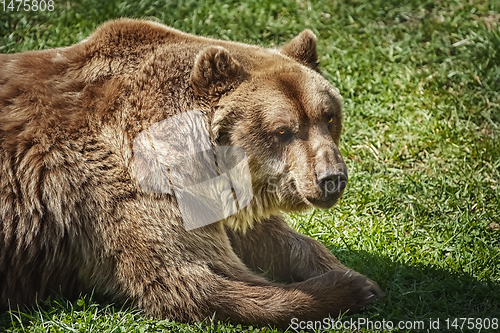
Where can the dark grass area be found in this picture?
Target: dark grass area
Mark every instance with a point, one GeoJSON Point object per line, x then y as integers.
{"type": "Point", "coordinates": [420, 81]}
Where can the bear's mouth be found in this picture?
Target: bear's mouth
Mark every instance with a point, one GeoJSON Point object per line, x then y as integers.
{"type": "Point", "coordinates": [323, 204]}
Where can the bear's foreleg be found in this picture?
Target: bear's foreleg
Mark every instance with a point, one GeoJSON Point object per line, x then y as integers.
{"type": "Point", "coordinates": [192, 275]}
{"type": "Point", "coordinates": [273, 248]}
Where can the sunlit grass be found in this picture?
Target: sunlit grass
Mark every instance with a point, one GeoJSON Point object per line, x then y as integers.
{"type": "Point", "coordinates": [420, 81]}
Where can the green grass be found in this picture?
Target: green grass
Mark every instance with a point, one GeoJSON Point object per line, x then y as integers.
{"type": "Point", "coordinates": [420, 81]}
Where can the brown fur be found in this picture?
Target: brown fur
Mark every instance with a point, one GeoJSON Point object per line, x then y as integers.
{"type": "Point", "coordinates": [73, 217]}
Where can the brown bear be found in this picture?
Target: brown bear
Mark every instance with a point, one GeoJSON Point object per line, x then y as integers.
{"type": "Point", "coordinates": [73, 215]}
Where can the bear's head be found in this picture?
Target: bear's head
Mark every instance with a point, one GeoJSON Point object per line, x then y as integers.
{"type": "Point", "coordinates": [277, 107]}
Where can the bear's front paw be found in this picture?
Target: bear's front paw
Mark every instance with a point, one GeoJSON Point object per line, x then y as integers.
{"type": "Point", "coordinates": [338, 291]}
{"type": "Point", "coordinates": [357, 289]}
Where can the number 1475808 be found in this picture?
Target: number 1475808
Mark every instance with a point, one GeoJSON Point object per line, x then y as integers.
{"type": "Point", "coordinates": [27, 5]}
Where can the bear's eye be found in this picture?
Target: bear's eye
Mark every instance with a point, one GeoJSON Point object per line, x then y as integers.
{"type": "Point", "coordinates": [330, 121]}
{"type": "Point", "coordinates": [283, 133]}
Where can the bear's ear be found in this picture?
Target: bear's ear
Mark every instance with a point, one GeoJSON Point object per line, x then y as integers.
{"type": "Point", "coordinates": [302, 48]}
{"type": "Point", "coordinates": [215, 73]}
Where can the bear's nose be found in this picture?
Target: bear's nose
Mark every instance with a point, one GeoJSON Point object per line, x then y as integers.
{"type": "Point", "coordinates": [332, 184]}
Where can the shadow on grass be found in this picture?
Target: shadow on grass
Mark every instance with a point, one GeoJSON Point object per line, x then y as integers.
{"type": "Point", "coordinates": [420, 292]}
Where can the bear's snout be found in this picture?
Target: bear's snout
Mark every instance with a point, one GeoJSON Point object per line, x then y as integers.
{"type": "Point", "coordinates": [331, 187]}
{"type": "Point", "coordinates": [331, 184]}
